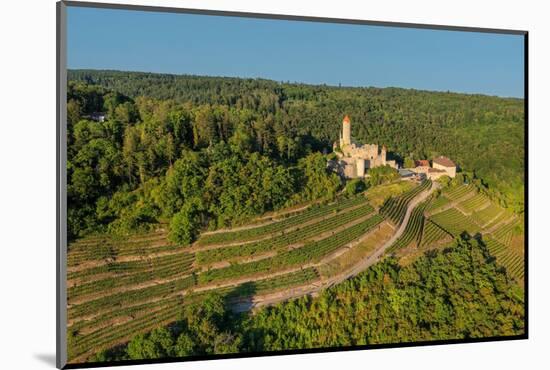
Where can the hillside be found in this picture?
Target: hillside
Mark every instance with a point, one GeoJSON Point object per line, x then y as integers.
{"type": "Point", "coordinates": [484, 134]}
{"type": "Point", "coordinates": [203, 197]}
{"type": "Point", "coordinates": [120, 287]}
{"type": "Point", "coordinates": [118, 283]}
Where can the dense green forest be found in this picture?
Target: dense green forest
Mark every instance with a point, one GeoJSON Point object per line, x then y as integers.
{"type": "Point", "coordinates": [209, 151]}
{"type": "Point", "coordinates": [455, 293]}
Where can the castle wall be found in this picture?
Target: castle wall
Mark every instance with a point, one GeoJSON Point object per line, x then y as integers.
{"type": "Point", "coordinates": [360, 162]}
{"type": "Point", "coordinates": [355, 159]}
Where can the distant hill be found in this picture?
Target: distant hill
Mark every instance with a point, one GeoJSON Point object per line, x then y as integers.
{"type": "Point", "coordinates": [483, 134]}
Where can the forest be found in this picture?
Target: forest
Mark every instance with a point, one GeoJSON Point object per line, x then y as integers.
{"type": "Point", "coordinates": [455, 293]}
{"type": "Point", "coordinates": [204, 152]}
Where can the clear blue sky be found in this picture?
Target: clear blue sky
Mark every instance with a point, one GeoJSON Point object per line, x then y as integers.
{"type": "Point", "coordinates": [316, 53]}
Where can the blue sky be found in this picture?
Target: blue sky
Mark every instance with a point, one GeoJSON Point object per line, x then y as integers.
{"type": "Point", "coordinates": [315, 53]}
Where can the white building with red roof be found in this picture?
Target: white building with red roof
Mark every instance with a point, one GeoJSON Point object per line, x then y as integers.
{"type": "Point", "coordinates": [445, 164]}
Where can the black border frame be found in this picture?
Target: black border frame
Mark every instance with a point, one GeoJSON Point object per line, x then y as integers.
{"type": "Point", "coordinates": [61, 73]}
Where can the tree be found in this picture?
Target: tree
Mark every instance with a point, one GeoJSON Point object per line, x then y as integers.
{"type": "Point", "coordinates": [126, 112]}
{"type": "Point", "coordinates": [241, 140]}
{"type": "Point", "coordinates": [157, 344]}
{"type": "Point", "coordinates": [316, 181]}
{"type": "Point", "coordinates": [74, 111]}
{"type": "Point", "coordinates": [185, 225]}
{"type": "Point", "coordinates": [355, 186]}
{"type": "Point", "coordinates": [409, 163]}
{"type": "Point", "coordinates": [382, 175]}
{"type": "Point", "coordinates": [185, 345]}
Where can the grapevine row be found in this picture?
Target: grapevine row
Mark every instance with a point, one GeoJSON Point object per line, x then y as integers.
{"type": "Point", "coordinates": [310, 214]}
{"type": "Point", "coordinates": [308, 231]}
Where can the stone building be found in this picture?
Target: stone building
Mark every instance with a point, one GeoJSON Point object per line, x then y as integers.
{"type": "Point", "coordinates": [355, 159]}
{"type": "Point", "coordinates": [445, 164]}
{"type": "Point", "coordinates": [440, 166]}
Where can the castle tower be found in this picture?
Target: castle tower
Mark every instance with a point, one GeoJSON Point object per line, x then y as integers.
{"type": "Point", "coordinates": [383, 154]}
{"type": "Point", "coordinates": [346, 131]}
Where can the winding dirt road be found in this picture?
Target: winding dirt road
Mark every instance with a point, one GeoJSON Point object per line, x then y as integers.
{"type": "Point", "coordinates": [296, 292]}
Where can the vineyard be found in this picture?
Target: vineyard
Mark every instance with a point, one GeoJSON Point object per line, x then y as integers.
{"type": "Point", "coordinates": [432, 233]}
{"type": "Point", "coordinates": [336, 219]}
{"type": "Point", "coordinates": [475, 203]}
{"type": "Point", "coordinates": [455, 222]}
{"type": "Point", "coordinates": [310, 252]}
{"type": "Point", "coordinates": [413, 230]}
{"type": "Point", "coordinates": [311, 213]}
{"type": "Point", "coordinates": [513, 262]}
{"type": "Point", "coordinates": [458, 192]}
{"type": "Point", "coordinates": [475, 213]}
{"type": "Point", "coordinates": [394, 208]}
{"type": "Point", "coordinates": [118, 287]}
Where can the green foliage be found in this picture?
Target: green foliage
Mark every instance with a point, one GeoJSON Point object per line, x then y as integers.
{"type": "Point", "coordinates": [202, 330]}
{"type": "Point", "coordinates": [480, 133]}
{"type": "Point", "coordinates": [185, 224]}
{"type": "Point", "coordinates": [443, 295]}
{"type": "Point", "coordinates": [316, 182]}
{"type": "Point", "coordinates": [409, 163]}
{"type": "Point", "coordinates": [355, 186]}
{"type": "Point", "coordinates": [382, 175]}
{"type": "Point", "coordinates": [157, 344]}
{"type": "Point", "coordinates": [457, 293]}
{"type": "Point", "coordinates": [185, 345]}
{"type": "Point", "coordinates": [152, 120]}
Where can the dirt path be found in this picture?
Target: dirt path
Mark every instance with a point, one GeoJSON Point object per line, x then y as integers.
{"type": "Point", "coordinates": [296, 292]}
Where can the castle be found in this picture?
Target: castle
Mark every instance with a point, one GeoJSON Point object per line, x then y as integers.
{"type": "Point", "coordinates": [353, 158]}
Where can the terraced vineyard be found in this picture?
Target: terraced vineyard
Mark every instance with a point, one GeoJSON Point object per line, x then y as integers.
{"type": "Point", "coordinates": [134, 272]}
{"type": "Point", "coordinates": [311, 252]}
{"type": "Point", "coordinates": [311, 213]}
{"type": "Point", "coordinates": [101, 248]}
{"type": "Point", "coordinates": [489, 214]}
{"type": "Point", "coordinates": [455, 222]}
{"type": "Point", "coordinates": [458, 192]}
{"type": "Point", "coordinates": [504, 233]}
{"type": "Point", "coordinates": [513, 262]}
{"type": "Point", "coordinates": [413, 230]}
{"type": "Point", "coordinates": [441, 201]}
{"type": "Point", "coordinates": [475, 203]}
{"type": "Point", "coordinates": [395, 208]}
{"type": "Point", "coordinates": [120, 287]}
{"type": "Point", "coordinates": [432, 233]}
{"type": "Point", "coordinates": [476, 213]}
{"type": "Point", "coordinates": [336, 219]}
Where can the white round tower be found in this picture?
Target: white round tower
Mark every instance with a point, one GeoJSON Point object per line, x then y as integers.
{"type": "Point", "coordinates": [346, 131]}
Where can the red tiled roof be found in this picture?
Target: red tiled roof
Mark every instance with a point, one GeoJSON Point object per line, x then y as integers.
{"type": "Point", "coordinates": [422, 163]}
{"type": "Point", "coordinates": [444, 161]}
{"type": "Point", "coordinates": [346, 119]}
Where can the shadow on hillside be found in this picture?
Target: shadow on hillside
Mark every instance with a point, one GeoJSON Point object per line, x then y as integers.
{"type": "Point", "coordinates": [240, 298]}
